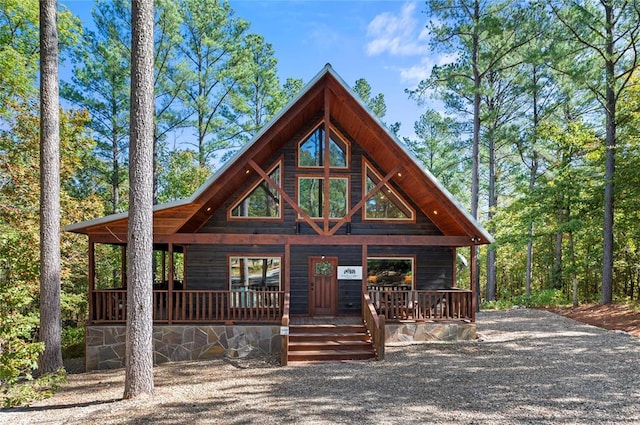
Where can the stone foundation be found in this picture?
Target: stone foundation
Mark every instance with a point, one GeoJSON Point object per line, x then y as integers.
{"type": "Point", "coordinates": [421, 332]}
{"type": "Point", "coordinates": [105, 345]}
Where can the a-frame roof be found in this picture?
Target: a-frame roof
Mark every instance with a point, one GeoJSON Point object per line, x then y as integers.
{"type": "Point", "coordinates": [326, 88]}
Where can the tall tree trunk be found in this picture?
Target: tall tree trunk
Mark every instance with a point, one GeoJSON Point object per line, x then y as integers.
{"type": "Point", "coordinates": [533, 174]}
{"type": "Point", "coordinates": [115, 174]}
{"type": "Point", "coordinates": [493, 204]}
{"type": "Point", "coordinates": [50, 327]}
{"type": "Point", "coordinates": [606, 295]}
{"type": "Point", "coordinates": [556, 277]}
{"type": "Point", "coordinates": [574, 273]}
{"type": "Point", "coordinates": [139, 343]}
{"type": "Point", "coordinates": [475, 155]}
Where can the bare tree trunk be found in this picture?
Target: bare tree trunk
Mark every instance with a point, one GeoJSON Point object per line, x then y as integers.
{"type": "Point", "coordinates": [574, 273]}
{"type": "Point", "coordinates": [475, 156]}
{"type": "Point", "coordinates": [606, 296]}
{"type": "Point", "coordinates": [556, 278]}
{"type": "Point", "coordinates": [50, 327]}
{"type": "Point", "coordinates": [139, 343]}
{"type": "Point", "coordinates": [493, 204]}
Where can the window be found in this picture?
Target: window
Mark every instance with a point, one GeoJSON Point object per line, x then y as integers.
{"type": "Point", "coordinates": [249, 277]}
{"type": "Point", "coordinates": [390, 272]}
{"type": "Point", "coordinates": [311, 196]}
{"type": "Point", "coordinates": [262, 201]}
{"type": "Point", "coordinates": [254, 273]}
{"type": "Point", "coordinates": [311, 151]}
{"type": "Point", "coordinates": [385, 204]}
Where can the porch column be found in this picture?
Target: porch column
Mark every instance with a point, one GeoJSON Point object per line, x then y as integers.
{"type": "Point", "coordinates": [170, 285]}
{"type": "Point", "coordinates": [287, 268]}
{"type": "Point", "coordinates": [184, 266]}
{"type": "Point", "coordinates": [474, 291]}
{"type": "Point", "coordinates": [365, 272]}
{"type": "Point", "coordinates": [91, 277]}
{"type": "Point", "coordinates": [164, 266]}
{"type": "Point", "coordinates": [123, 266]}
{"type": "Point", "coordinates": [454, 278]}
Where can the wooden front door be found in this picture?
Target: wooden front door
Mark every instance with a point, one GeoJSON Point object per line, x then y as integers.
{"type": "Point", "coordinates": [323, 286]}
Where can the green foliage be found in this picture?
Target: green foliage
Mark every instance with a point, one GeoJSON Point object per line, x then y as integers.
{"type": "Point", "coordinates": [72, 342]}
{"type": "Point", "coordinates": [180, 175]}
{"type": "Point", "coordinates": [29, 390]}
{"type": "Point", "coordinates": [537, 299]}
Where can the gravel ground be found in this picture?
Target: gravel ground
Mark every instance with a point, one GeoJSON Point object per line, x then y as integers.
{"type": "Point", "coordinates": [528, 366]}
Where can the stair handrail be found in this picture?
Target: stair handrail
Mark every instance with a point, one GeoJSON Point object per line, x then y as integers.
{"type": "Point", "coordinates": [284, 331]}
{"type": "Point", "coordinates": [375, 324]}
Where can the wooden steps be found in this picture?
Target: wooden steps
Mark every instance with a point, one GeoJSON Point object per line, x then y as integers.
{"type": "Point", "coordinates": [329, 342]}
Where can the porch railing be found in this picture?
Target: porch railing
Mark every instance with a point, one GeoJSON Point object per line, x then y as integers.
{"type": "Point", "coordinates": [375, 325]}
{"type": "Point", "coordinates": [186, 306]}
{"type": "Point", "coordinates": [451, 304]}
{"type": "Point", "coordinates": [110, 306]}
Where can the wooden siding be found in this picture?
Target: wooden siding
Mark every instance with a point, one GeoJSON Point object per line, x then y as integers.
{"type": "Point", "coordinates": [349, 291]}
{"type": "Point", "coordinates": [218, 222]}
{"type": "Point", "coordinates": [207, 265]}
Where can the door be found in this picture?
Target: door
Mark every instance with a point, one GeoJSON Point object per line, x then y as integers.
{"type": "Point", "coordinates": [323, 286]}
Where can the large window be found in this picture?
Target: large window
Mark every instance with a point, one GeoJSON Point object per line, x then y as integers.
{"type": "Point", "coordinates": [311, 152]}
{"type": "Point", "coordinates": [390, 272]}
{"type": "Point", "coordinates": [254, 273]}
{"type": "Point", "coordinates": [262, 201]}
{"type": "Point", "coordinates": [311, 196]}
{"type": "Point", "coordinates": [385, 204]}
{"type": "Point", "coordinates": [249, 277]}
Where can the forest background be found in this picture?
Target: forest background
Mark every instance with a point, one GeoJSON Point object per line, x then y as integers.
{"type": "Point", "coordinates": [538, 137]}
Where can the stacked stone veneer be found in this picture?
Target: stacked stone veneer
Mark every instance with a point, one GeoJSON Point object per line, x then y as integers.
{"type": "Point", "coordinates": [415, 332]}
{"type": "Point", "coordinates": [105, 345]}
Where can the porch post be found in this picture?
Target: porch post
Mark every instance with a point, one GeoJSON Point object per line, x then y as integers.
{"type": "Point", "coordinates": [170, 285]}
{"type": "Point", "coordinates": [454, 279]}
{"type": "Point", "coordinates": [365, 272]}
{"type": "Point", "coordinates": [184, 266]}
{"type": "Point", "coordinates": [474, 292]}
{"type": "Point", "coordinates": [164, 266]}
{"type": "Point", "coordinates": [287, 268]}
{"type": "Point", "coordinates": [92, 277]}
{"type": "Point", "coordinates": [123, 266]}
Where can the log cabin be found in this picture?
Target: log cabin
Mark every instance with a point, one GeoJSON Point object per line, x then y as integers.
{"type": "Point", "coordinates": [323, 238]}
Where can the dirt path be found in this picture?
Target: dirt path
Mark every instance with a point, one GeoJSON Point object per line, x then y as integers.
{"type": "Point", "coordinates": [610, 316]}
{"type": "Point", "coordinates": [528, 366]}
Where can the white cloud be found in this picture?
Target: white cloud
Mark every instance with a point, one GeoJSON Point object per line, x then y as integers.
{"type": "Point", "coordinates": [414, 74]}
{"type": "Point", "coordinates": [398, 33]}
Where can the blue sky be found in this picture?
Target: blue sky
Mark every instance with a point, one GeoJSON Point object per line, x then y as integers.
{"type": "Point", "coordinates": [385, 42]}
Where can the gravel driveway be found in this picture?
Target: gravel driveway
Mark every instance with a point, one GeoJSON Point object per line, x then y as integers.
{"type": "Point", "coordinates": [528, 366]}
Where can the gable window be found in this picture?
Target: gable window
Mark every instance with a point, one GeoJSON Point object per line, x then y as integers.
{"type": "Point", "coordinates": [385, 204]}
{"type": "Point", "coordinates": [311, 150]}
{"type": "Point", "coordinates": [311, 196]}
{"type": "Point", "coordinates": [262, 200]}
{"type": "Point", "coordinates": [390, 273]}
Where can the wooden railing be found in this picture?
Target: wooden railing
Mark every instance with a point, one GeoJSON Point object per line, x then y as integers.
{"type": "Point", "coordinates": [375, 325]}
{"type": "Point", "coordinates": [423, 305]}
{"type": "Point", "coordinates": [110, 306]}
{"type": "Point", "coordinates": [284, 349]}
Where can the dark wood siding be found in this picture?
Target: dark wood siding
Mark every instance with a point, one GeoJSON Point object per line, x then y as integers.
{"type": "Point", "coordinates": [218, 222]}
{"type": "Point", "coordinates": [207, 267]}
{"type": "Point", "coordinates": [349, 291]}
{"type": "Point", "coordinates": [433, 268]}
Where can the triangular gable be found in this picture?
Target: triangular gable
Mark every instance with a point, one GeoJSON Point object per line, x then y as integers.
{"type": "Point", "coordinates": [355, 119]}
